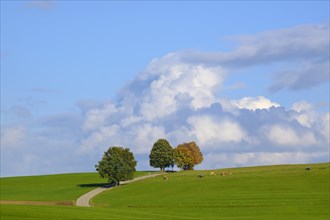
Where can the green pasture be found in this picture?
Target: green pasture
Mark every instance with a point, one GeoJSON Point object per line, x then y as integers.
{"type": "Point", "coordinates": [288, 192]}
{"type": "Point", "coordinates": [59, 187]}
{"type": "Point", "coordinates": [62, 187]}
{"type": "Point", "coordinates": [270, 192]}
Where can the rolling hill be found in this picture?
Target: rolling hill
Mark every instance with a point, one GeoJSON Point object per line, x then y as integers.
{"type": "Point", "coordinates": [268, 192]}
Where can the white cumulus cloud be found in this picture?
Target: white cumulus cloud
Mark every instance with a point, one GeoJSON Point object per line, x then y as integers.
{"type": "Point", "coordinates": [97, 117]}
{"type": "Point", "coordinates": [287, 136]}
{"type": "Point", "coordinates": [305, 113]}
{"type": "Point", "coordinates": [254, 103]}
{"type": "Point", "coordinates": [209, 130]}
{"type": "Point", "coordinates": [167, 79]}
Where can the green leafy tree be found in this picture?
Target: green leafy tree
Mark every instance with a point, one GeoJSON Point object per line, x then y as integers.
{"type": "Point", "coordinates": [117, 164]}
{"type": "Point", "coordinates": [161, 154]}
{"type": "Point", "coordinates": [187, 155]}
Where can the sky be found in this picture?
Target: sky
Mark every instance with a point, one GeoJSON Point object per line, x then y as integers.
{"type": "Point", "coordinates": [248, 81]}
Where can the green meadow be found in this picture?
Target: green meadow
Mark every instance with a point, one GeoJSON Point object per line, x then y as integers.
{"type": "Point", "coordinates": [269, 192]}
{"type": "Point", "coordinates": [58, 187]}
{"type": "Point", "coordinates": [61, 187]}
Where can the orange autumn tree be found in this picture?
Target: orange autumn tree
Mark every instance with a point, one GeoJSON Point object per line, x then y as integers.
{"type": "Point", "coordinates": [183, 158]}
{"type": "Point", "coordinates": [187, 155]}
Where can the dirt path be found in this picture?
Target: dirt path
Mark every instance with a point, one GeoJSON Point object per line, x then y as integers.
{"type": "Point", "coordinates": [84, 199]}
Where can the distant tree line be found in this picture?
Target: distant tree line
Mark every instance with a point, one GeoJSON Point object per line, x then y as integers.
{"type": "Point", "coordinates": [118, 163]}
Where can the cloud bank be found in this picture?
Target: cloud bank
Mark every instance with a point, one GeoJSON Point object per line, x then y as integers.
{"type": "Point", "coordinates": [178, 97]}
{"type": "Point", "coordinates": [305, 48]}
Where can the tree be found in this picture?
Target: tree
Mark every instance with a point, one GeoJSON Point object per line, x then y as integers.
{"type": "Point", "coordinates": [161, 154]}
{"type": "Point", "coordinates": [117, 164]}
{"type": "Point", "coordinates": [187, 155]}
{"type": "Point", "coordinates": [183, 158]}
{"type": "Point", "coordinates": [195, 152]}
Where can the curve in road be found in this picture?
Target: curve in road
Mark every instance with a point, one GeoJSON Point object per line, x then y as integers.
{"type": "Point", "coordinates": [84, 199]}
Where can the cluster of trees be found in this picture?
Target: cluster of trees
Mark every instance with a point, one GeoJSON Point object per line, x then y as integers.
{"type": "Point", "coordinates": [184, 156]}
{"type": "Point", "coordinates": [118, 163]}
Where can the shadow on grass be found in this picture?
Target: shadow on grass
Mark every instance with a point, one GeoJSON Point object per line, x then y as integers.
{"type": "Point", "coordinates": [102, 185]}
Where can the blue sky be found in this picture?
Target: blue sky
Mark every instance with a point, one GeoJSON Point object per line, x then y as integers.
{"type": "Point", "coordinates": [80, 76]}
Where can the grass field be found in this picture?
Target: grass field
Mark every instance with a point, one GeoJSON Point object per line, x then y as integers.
{"type": "Point", "coordinates": [273, 192]}
{"type": "Point", "coordinates": [60, 187]}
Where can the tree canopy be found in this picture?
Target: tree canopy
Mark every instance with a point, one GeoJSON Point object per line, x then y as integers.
{"type": "Point", "coordinates": [182, 158]}
{"type": "Point", "coordinates": [117, 164]}
{"type": "Point", "coordinates": [161, 154]}
{"type": "Point", "coordinates": [187, 155]}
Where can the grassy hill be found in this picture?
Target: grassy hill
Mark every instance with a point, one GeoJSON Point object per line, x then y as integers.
{"type": "Point", "coordinates": [288, 192]}
{"type": "Point", "coordinates": [59, 187]}
{"type": "Point", "coordinates": [270, 192]}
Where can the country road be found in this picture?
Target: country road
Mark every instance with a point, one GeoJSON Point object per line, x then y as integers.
{"type": "Point", "coordinates": [84, 199]}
